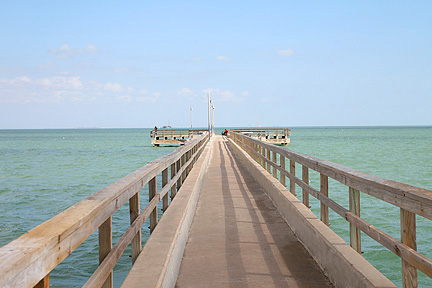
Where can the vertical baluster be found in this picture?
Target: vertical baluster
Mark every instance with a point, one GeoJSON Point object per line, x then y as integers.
{"type": "Point", "coordinates": [134, 211]}
{"type": "Point", "coordinates": [275, 161]}
{"type": "Point", "coordinates": [152, 193]}
{"type": "Point", "coordinates": [305, 178]}
{"type": "Point", "coordinates": [179, 181]}
{"type": "Point", "coordinates": [268, 158]}
{"type": "Point", "coordinates": [408, 237]}
{"type": "Point", "coordinates": [43, 283]}
{"type": "Point", "coordinates": [354, 205]}
{"type": "Point", "coordinates": [324, 191]}
{"type": "Point", "coordinates": [183, 177]}
{"type": "Point", "coordinates": [282, 164]}
{"type": "Point", "coordinates": [105, 245]}
{"type": "Point", "coordinates": [292, 182]}
{"type": "Point", "coordinates": [173, 173]}
{"type": "Point", "coordinates": [164, 183]}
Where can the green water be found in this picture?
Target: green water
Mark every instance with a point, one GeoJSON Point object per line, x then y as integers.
{"type": "Point", "coordinates": [43, 172]}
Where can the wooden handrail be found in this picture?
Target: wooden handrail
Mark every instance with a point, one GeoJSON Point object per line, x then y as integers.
{"type": "Point", "coordinates": [411, 200]}
{"type": "Point", "coordinates": [28, 260]}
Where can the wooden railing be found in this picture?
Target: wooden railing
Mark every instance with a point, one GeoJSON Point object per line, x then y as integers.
{"type": "Point", "coordinates": [411, 200]}
{"type": "Point", "coordinates": [176, 132]}
{"type": "Point", "coordinates": [265, 132]}
{"type": "Point", "coordinates": [28, 260]}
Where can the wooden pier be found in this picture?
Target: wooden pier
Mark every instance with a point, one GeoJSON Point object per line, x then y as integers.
{"type": "Point", "coordinates": [181, 136]}
{"type": "Point", "coordinates": [234, 221]}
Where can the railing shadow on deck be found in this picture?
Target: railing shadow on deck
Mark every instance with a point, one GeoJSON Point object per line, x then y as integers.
{"type": "Point", "coordinates": [291, 250]}
{"type": "Point", "coordinates": [411, 200]}
{"type": "Point", "coordinates": [28, 260]}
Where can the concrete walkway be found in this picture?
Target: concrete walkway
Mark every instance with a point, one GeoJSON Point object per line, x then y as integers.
{"type": "Point", "coordinates": [238, 238]}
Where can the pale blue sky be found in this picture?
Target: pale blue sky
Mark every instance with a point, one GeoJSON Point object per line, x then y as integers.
{"type": "Point", "coordinates": [66, 64]}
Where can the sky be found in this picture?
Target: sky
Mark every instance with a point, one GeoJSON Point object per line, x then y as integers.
{"type": "Point", "coordinates": [127, 64]}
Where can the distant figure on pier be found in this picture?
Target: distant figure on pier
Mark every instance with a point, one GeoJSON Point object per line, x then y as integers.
{"type": "Point", "coordinates": [225, 132]}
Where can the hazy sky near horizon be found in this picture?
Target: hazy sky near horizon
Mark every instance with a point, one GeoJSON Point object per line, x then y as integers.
{"type": "Point", "coordinates": [67, 64]}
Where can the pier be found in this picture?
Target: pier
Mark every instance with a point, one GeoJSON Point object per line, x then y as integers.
{"type": "Point", "coordinates": [231, 218]}
{"type": "Point", "coordinates": [181, 136]}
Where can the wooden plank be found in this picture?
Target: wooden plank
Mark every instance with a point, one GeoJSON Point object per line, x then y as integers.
{"type": "Point", "coordinates": [165, 200]}
{"type": "Point", "coordinates": [292, 172]}
{"type": "Point", "coordinates": [268, 158]}
{"type": "Point", "coordinates": [174, 186]}
{"type": "Point", "coordinates": [408, 237]}
{"type": "Point", "coordinates": [324, 191]}
{"type": "Point", "coordinates": [354, 205]}
{"type": "Point", "coordinates": [179, 182]}
{"type": "Point", "coordinates": [419, 261]}
{"type": "Point", "coordinates": [282, 175]}
{"type": "Point", "coordinates": [305, 178]}
{"type": "Point", "coordinates": [153, 215]}
{"type": "Point", "coordinates": [111, 259]}
{"type": "Point", "coordinates": [134, 211]}
{"type": "Point", "coordinates": [275, 161]}
{"type": "Point", "coordinates": [105, 245]}
{"type": "Point", "coordinates": [44, 283]}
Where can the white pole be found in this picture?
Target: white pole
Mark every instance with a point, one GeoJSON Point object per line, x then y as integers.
{"type": "Point", "coordinates": [191, 117]}
{"type": "Point", "coordinates": [208, 100]}
{"type": "Point", "coordinates": [213, 118]}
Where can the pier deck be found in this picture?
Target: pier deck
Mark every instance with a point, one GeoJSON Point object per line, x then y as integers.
{"type": "Point", "coordinates": [238, 238]}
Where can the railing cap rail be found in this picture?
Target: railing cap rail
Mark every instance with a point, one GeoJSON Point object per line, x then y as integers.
{"type": "Point", "coordinates": [57, 237]}
{"type": "Point", "coordinates": [415, 199]}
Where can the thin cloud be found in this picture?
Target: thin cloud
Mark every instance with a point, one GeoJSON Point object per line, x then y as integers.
{"type": "Point", "coordinates": [65, 88]}
{"type": "Point", "coordinates": [223, 58]}
{"type": "Point", "coordinates": [286, 52]}
{"type": "Point", "coordinates": [65, 51]}
{"type": "Point", "coordinates": [196, 59]}
{"type": "Point", "coordinates": [113, 87]}
{"type": "Point", "coordinates": [223, 96]}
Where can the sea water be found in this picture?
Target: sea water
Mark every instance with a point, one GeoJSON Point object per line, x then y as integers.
{"type": "Point", "coordinates": [43, 172]}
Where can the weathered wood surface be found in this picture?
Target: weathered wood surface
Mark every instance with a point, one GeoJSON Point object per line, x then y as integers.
{"type": "Point", "coordinates": [28, 259]}
{"type": "Point", "coordinates": [412, 201]}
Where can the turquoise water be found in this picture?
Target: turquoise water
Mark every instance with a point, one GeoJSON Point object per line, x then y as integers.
{"type": "Point", "coordinates": [402, 154]}
{"type": "Point", "coordinates": [43, 172]}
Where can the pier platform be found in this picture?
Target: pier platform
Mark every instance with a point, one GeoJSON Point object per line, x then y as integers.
{"type": "Point", "coordinates": [181, 136]}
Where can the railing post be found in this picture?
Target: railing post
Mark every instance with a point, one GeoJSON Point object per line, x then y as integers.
{"type": "Point", "coordinates": [183, 161]}
{"type": "Point", "coordinates": [275, 161]}
{"type": "Point", "coordinates": [305, 178]}
{"type": "Point", "coordinates": [178, 167]}
{"type": "Point", "coordinates": [408, 237]}
{"type": "Point", "coordinates": [268, 158]}
{"type": "Point", "coordinates": [173, 173]}
{"type": "Point", "coordinates": [165, 182]}
{"type": "Point", "coordinates": [134, 211]}
{"type": "Point", "coordinates": [292, 182]}
{"type": "Point", "coordinates": [354, 205]}
{"type": "Point", "coordinates": [324, 191]}
{"type": "Point", "coordinates": [105, 245]}
{"type": "Point", "coordinates": [282, 164]}
{"type": "Point", "coordinates": [44, 283]}
{"type": "Point", "coordinates": [152, 193]}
